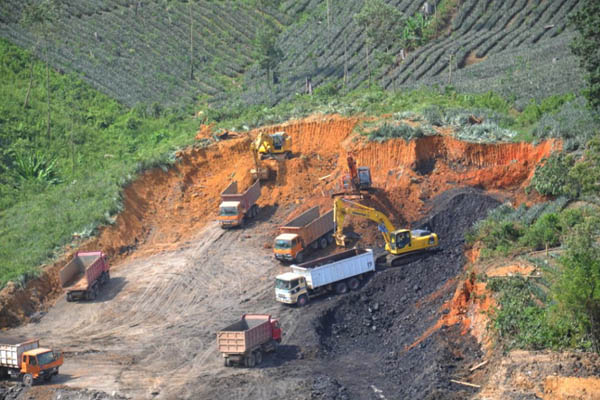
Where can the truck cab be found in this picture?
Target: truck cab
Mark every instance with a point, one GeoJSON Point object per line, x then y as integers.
{"type": "Point", "coordinates": [287, 246]}
{"type": "Point", "coordinates": [404, 240]}
{"type": "Point", "coordinates": [289, 288]}
{"type": "Point", "coordinates": [40, 363]}
{"type": "Point", "coordinates": [230, 213]}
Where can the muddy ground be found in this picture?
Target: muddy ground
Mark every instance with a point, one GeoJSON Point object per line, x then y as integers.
{"type": "Point", "coordinates": [151, 334]}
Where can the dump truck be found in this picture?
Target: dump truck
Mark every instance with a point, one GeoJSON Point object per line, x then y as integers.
{"type": "Point", "coordinates": [83, 276]}
{"type": "Point", "coordinates": [309, 231]}
{"type": "Point", "coordinates": [236, 208]}
{"type": "Point", "coordinates": [339, 272]}
{"type": "Point", "coordinates": [24, 359]}
{"type": "Point", "coordinates": [245, 341]}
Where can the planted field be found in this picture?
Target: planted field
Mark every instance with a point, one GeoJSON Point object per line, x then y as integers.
{"type": "Point", "coordinates": [142, 53]}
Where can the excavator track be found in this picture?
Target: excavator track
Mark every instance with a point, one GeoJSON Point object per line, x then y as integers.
{"type": "Point", "coordinates": [384, 260]}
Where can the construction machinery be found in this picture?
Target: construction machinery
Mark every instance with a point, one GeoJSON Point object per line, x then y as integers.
{"type": "Point", "coordinates": [269, 146]}
{"type": "Point", "coordinates": [236, 208]}
{"type": "Point", "coordinates": [358, 178]}
{"type": "Point", "coordinates": [309, 231]}
{"type": "Point", "coordinates": [26, 360]}
{"type": "Point", "coordinates": [338, 272]}
{"type": "Point", "coordinates": [273, 145]}
{"type": "Point", "coordinates": [398, 242]}
{"type": "Point", "coordinates": [83, 276]}
{"type": "Point", "coordinates": [245, 341]}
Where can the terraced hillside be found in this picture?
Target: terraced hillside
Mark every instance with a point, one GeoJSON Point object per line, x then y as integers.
{"type": "Point", "coordinates": [139, 51]}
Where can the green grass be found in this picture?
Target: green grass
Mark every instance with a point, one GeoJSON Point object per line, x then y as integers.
{"type": "Point", "coordinates": [73, 183]}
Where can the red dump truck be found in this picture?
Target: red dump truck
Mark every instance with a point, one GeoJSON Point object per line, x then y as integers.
{"type": "Point", "coordinates": [83, 276]}
{"type": "Point", "coordinates": [25, 360]}
{"type": "Point", "coordinates": [236, 207]}
{"type": "Point", "coordinates": [308, 231]}
{"type": "Point", "coordinates": [245, 341]}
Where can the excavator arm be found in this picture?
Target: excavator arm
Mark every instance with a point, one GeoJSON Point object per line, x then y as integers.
{"type": "Point", "coordinates": [343, 207]}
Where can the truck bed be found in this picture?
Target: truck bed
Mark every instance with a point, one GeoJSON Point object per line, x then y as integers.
{"type": "Point", "coordinates": [326, 270]}
{"type": "Point", "coordinates": [251, 331]}
{"type": "Point", "coordinates": [11, 349]}
{"type": "Point", "coordinates": [74, 277]}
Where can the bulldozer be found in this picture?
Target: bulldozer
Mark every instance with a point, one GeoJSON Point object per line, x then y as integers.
{"type": "Point", "coordinates": [399, 243]}
{"type": "Point", "coordinates": [269, 146]}
{"type": "Point", "coordinates": [273, 145]}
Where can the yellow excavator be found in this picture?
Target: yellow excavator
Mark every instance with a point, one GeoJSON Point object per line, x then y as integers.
{"type": "Point", "coordinates": [268, 146]}
{"type": "Point", "coordinates": [398, 242]}
{"type": "Point", "coordinates": [273, 145]}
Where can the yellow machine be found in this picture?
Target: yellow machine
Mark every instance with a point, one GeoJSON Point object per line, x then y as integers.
{"type": "Point", "coordinates": [259, 171]}
{"type": "Point", "coordinates": [273, 145]}
{"type": "Point", "coordinates": [397, 241]}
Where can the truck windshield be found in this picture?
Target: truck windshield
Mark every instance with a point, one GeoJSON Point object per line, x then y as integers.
{"type": "Point", "coordinates": [283, 244]}
{"type": "Point", "coordinates": [281, 284]}
{"type": "Point", "coordinates": [228, 211]}
{"type": "Point", "coordinates": [45, 358]}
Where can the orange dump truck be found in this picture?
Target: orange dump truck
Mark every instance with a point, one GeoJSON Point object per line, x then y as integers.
{"type": "Point", "coordinates": [84, 274]}
{"type": "Point", "coordinates": [236, 207]}
{"type": "Point", "coordinates": [245, 341]}
{"type": "Point", "coordinates": [308, 231]}
{"type": "Point", "coordinates": [27, 361]}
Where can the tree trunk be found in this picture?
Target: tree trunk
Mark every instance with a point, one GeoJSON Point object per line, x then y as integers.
{"type": "Point", "coordinates": [30, 83]}
{"type": "Point", "coordinates": [48, 92]}
{"type": "Point", "coordinates": [191, 41]}
{"type": "Point", "coordinates": [593, 311]}
{"type": "Point", "coordinates": [345, 61]}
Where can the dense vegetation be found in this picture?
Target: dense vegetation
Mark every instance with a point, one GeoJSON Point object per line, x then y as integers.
{"type": "Point", "coordinates": [563, 308]}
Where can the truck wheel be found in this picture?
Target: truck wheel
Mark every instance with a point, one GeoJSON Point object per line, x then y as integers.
{"type": "Point", "coordinates": [258, 357]}
{"type": "Point", "coordinates": [323, 242]}
{"type": "Point", "coordinates": [91, 294]}
{"type": "Point", "coordinates": [330, 238]}
{"type": "Point", "coordinates": [256, 209]}
{"type": "Point", "coordinates": [250, 360]}
{"type": "Point", "coordinates": [27, 380]}
{"type": "Point", "coordinates": [341, 288]}
{"type": "Point", "coordinates": [353, 283]}
{"type": "Point", "coordinates": [300, 257]}
{"type": "Point", "coordinates": [302, 301]}
{"type": "Point", "coordinates": [47, 378]}
{"type": "Point", "coordinates": [107, 276]}
{"type": "Point", "coordinates": [226, 362]}
{"type": "Point", "coordinates": [69, 297]}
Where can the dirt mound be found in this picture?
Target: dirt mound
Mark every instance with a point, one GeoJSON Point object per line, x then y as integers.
{"type": "Point", "coordinates": [389, 314]}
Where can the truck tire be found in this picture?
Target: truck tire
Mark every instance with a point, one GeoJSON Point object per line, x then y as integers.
{"type": "Point", "coordinates": [48, 378]}
{"type": "Point", "coordinates": [69, 297]}
{"type": "Point", "coordinates": [353, 283]}
{"type": "Point", "coordinates": [250, 360]}
{"type": "Point", "coordinates": [323, 242]}
{"type": "Point", "coordinates": [107, 276]}
{"type": "Point", "coordinates": [300, 257]}
{"type": "Point", "coordinates": [302, 300]}
{"type": "Point", "coordinates": [226, 362]}
{"type": "Point", "coordinates": [91, 294]}
{"type": "Point", "coordinates": [314, 245]}
{"type": "Point", "coordinates": [341, 287]}
{"type": "Point", "coordinates": [330, 238]}
{"type": "Point", "coordinates": [28, 380]}
{"type": "Point", "coordinates": [255, 212]}
{"type": "Point", "coordinates": [259, 356]}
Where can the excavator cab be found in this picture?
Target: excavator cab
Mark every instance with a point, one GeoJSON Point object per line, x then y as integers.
{"type": "Point", "coordinates": [401, 239]}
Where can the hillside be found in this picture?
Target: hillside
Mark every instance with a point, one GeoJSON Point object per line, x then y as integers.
{"type": "Point", "coordinates": [140, 51]}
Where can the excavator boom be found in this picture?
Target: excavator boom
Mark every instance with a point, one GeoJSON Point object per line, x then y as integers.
{"type": "Point", "coordinates": [343, 207]}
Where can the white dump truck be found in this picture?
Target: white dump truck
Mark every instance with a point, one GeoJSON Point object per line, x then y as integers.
{"type": "Point", "coordinates": [338, 272]}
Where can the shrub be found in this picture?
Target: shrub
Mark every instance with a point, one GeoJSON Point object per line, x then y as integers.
{"type": "Point", "coordinates": [552, 177]}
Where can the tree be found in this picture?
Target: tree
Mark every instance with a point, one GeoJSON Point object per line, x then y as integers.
{"type": "Point", "coordinates": [584, 177]}
{"type": "Point", "coordinates": [381, 24]}
{"type": "Point", "coordinates": [41, 16]}
{"type": "Point", "coordinates": [190, 4]}
{"type": "Point", "coordinates": [545, 232]}
{"type": "Point", "coordinates": [577, 284]}
{"type": "Point", "coordinates": [266, 51]}
{"type": "Point", "coordinates": [587, 46]}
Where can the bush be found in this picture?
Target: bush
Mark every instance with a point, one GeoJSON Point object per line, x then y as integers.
{"type": "Point", "coordinates": [552, 177]}
{"type": "Point", "coordinates": [525, 319]}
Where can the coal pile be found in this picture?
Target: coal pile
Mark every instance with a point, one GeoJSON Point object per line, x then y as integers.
{"type": "Point", "coordinates": [379, 327]}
